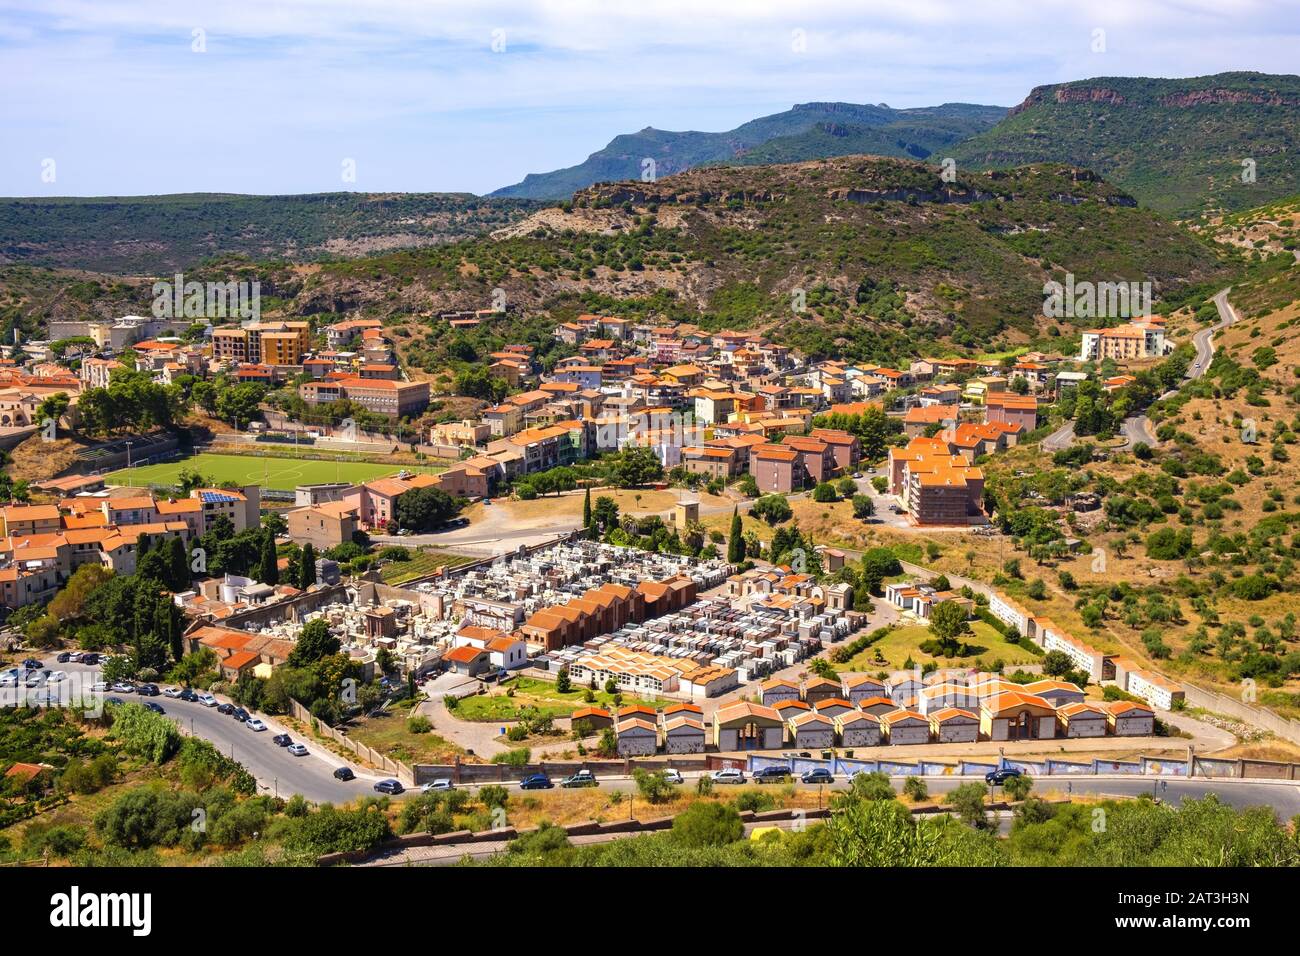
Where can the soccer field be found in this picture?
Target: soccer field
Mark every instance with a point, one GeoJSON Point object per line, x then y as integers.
{"type": "Point", "coordinates": [277, 474]}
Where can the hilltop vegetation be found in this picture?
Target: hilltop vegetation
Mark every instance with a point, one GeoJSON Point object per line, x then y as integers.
{"type": "Point", "coordinates": [1178, 145]}
{"type": "Point", "coordinates": [889, 258]}
{"type": "Point", "coordinates": [807, 131]}
{"type": "Point", "coordinates": [155, 234]}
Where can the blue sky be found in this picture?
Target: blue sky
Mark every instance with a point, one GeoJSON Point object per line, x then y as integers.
{"type": "Point", "coordinates": [470, 96]}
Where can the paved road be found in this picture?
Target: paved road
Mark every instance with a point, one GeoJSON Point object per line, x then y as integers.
{"type": "Point", "coordinates": [1204, 339]}
{"type": "Point", "coordinates": [276, 770]}
{"type": "Point", "coordinates": [1063, 437]}
{"type": "Point", "coordinates": [1137, 429]}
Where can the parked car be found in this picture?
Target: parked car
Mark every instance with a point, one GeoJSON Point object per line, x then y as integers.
{"type": "Point", "coordinates": [442, 783]}
{"type": "Point", "coordinates": [122, 687]}
{"type": "Point", "coordinates": [55, 677]}
{"type": "Point", "coordinates": [207, 700]}
{"type": "Point", "coordinates": [154, 706]}
{"type": "Point", "coordinates": [344, 773]}
{"type": "Point", "coordinates": [817, 775]}
{"type": "Point", "coordinates": [99, 687]}
{"type": "Point", "coordinates": [147, 690]}
{"type": "Point", "coordinates": [75, 657]}
{"type": "Point", "coordinates": [188, 694]}
{"type": "Point", "coordinates": [255, 723]}
{"type": "Point", "coordinates": [32, 664]}
{"type": "Point", "coordinates": [536, 781]}
{"type": "Point", "coordinates": [282, 740]}
{"type": "Point", "coordinates": [9, 678]}
{"type": "Point", "coordinates": [91, 659]}
{"type": "Point", "coordinates": [583, 778]}
{"type": "Point", "coordinates": [225, 708]}
{"type": "Point", "coordinates": [771, 774]}
{"type": "Point", "coordinates": [298, 750]}
{"type": "Point", "coordinates": [36, 678]}
{"type": "Point", "coordinates": [172, 692]}
{"type": "Point", "coordinates": [240, 715]}
{"type": "Point", "coordinates": [673, 775]}
{"type": "Point", "coordinates": [997, 777]}
{"type": "Point", "coordinates": [728, 776]}
{"type": "Point", "coordinates": [63, 658]}
{"type": "Point", "coordinates": [390, 786]}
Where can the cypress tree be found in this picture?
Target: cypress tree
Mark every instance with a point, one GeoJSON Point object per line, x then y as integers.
{"type": "Point", "coordinates": [736, 543]}
{"type": "Point", "coordinates": [178, 565]}
{"type": "Point", "coordinates": [269, 572]}
{"type": "Point", "coordinates": [586, 509]}
{"type": "Point", "coordinates": [307, 567]}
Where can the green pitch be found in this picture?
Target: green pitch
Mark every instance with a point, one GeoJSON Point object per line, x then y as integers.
{"type": "Point", "coordinates": [278, 474]}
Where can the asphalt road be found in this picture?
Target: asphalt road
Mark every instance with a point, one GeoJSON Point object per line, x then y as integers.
{"type": "Point", "coordinates": [276, 770]}
{"type": "Point", "coordinates": [1063, 437]}
{"type": "Point", "coordinates": [1204, 339]}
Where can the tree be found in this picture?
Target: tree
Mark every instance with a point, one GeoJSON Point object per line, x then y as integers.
{"type": "Point", "coordinates": [736, 541]}
{"type": "Point", "coordinates": [863, 506]}
{"type": "Point", "coordinates": [1057, 664]}
{"type": "Point", "coordinates": [422, 509]}
{"type": "Point", "coordinates": [307, 567]}
{"type": "Point", "coordinates": [586, 509]}
{"type": "Point", "coordinates": [562, 683]}
{"type": "Point", "coordinates": [314, 643]}
{"type": "Point", "coordinates": [178, 565]}
{"type": "Point", "coordinates": [825, 493]}
{"type": "Point", "coordinates": [654, 787]}
{"type": "Point", "coordinates": [268, 569]}
{"type": "Point", "coordinates": [637, 465]}
{"type": "Point", "coordinates": [948, 622]}
{"type": "Point", "coordinates": [771, 508]}
{"type": "Point", "coordinates": [968, 801]}
{"type": "Point", "coordinates": [1017, 788]}
{"type": "Point", "coordinates": [708, 824]}
{"type": "Point", "coordinates": [605, 513]}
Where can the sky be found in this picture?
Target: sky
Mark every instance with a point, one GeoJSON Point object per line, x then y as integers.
{"type": "Point", "coordinates": [140, 97]}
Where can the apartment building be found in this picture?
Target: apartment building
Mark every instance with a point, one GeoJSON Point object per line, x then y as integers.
{"type": "Point", "coordinates": [1012, 409]}
{"type": "Point", "coordinates": [392, 399]}
{"type": "Point", "coordinates": [324, 526]}
{"type": "Point", "coordinates": [272, 343]}
{"type": "Point", "coordinates": [1142, 338]}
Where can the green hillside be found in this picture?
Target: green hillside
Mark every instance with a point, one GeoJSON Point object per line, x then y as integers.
{"type": "Point", "coordinates": [1178, 145]}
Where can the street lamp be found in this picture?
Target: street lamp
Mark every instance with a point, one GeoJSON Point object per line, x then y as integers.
{"type": "Point", "coordinates": [129, 478]}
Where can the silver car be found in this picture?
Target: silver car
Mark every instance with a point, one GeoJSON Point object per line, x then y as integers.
{"type": "Point", "coordinates": [728, 776]}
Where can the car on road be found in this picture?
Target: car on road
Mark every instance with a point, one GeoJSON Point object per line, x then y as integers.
{"type": "Point", "coordinates": [282, 740]}
{"type": "Point", "coordinates": [433, 786]}
{"type": "Point", "coordinates": [255, 723]}
{"type": "Point", "coordinates": [771, 774]}
{"type": "Point", "coordinates": [536, 781]}
{"type": "Point", "coordinates": [817, 775]}
{"type": "Point", "coordinates": [63, 658]}
{"type": "Point", "coordinates": [187, 693]}
{"type": "Point", "coordinates": [344, 773]}
{"type": "Point", "coordinates": [147, 690]}
{"type": "Point", "coordinates": [583, 778]}
{"type": "Point", "coordinates": [122, 687]}
{"type": "Point", "coordinates": [390, 786]}
{"type": "Point", "coordinates": [240, 715]}
{"type": "Point", "coordinates": [172, 692]}
{"type": "Point", "coordinates": [155, 707]}
{"type": "Point", "coordinates": [207, 700]}
{"type": "Point", "coordinates": [997, 777]}
{"type": "Point", "coordinates": [99, 687]}
{"type": "Point", "coordinates": [225, 708]}
{"type": "Point", "coordinates": [298, 750]}
{"type": "Point", "coordinates": [673, 775]}
{"type": "Point", "coordinates": [728, 776]}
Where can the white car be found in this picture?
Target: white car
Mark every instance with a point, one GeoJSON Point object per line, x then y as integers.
{"type": "Point", "coordinates": [673, 775]}
{"type": "Point", "coordinates": [172, 692]}
{"type": "Point", "coordinates": [298, 750]}
{"type": "Point", "coordinates": [728, 776]}
{"type": "Point", "coordinates": [122, 687]}
{"type": "Point", "coordinates": [99, 687]}
{"type": "Point", "coordinates": [56, 676]}
{"type": "Point", "coordinates": [442, 783]}
{"type": "Point", "coordinates": [9, 679]}
{"type": "Point", "coordinates": [256, 723]}
{"type": "Point", "coordinates": [207, 700]}
{"type": "Point", "coordinates": [75, 657]}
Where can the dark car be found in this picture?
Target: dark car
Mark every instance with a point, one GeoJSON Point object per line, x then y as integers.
{"type": "Point", "coordinates": [996, 777]}
{"type": "Point", "coordinates": [156, 708]}
{"type": "Point", "coordinates": [818, 775]}
{"type": "Point", "coordinates": [225, 708]}
{"type": "Point", "coordinates": [32, 664]}
{"type": "Point", "coordinates": [91, 659]}
{"type": "Point", "coordinates": [114, 700]}
{"type": "Point", "coordinates": [64, 657]}
{"type": "Point", "coordinates": [344, 773]}
{"type": "Point", "coordinates": [187, 693]}
{"type": "Point", "coordinates": [282, 740]}
{"type": "Point", "coordinates": [240, 715]}
{"type": "Point", "coordinates": [771, 774]}
{"type": "Point", "coordinates": [536, 781]}
{"type": "Point", "coordinates": [148, 690]}
{"type": "Point", "coordinates": [390, 786]}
